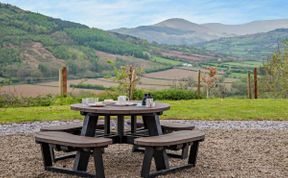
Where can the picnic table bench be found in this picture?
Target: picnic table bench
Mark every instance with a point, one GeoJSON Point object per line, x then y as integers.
{"type": "Point", "coordinates": [94, 135]}
{"type": "Point", "coordinates": [158, 144]}
{"type": "Point", "coordinates": [87, 144]}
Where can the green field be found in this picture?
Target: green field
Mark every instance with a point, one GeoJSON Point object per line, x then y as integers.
{"type": "Point", "coordinates": [206, 109]}
{"type": "Point", "coordinates": [236, 69]}
{"type": "Point", "coordinates": [163, 60]}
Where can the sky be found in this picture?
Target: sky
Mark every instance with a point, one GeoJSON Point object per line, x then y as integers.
{"type": "Point", "coordinates": [111, 14]}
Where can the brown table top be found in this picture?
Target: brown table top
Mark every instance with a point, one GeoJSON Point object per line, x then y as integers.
{"type": "Point", "coordinates": [125, 110]}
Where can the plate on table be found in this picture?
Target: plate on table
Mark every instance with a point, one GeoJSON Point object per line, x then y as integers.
{"type": "Point", "coordinates": [109, 101]}
{"type": "Point", "coordinates": [97, 104]}
{"type": "Point", "coordinates": [125, 104]}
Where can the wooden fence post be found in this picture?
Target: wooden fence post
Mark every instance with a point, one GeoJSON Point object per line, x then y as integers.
{"type": "Point", "coordinates": [199, 82]}
{"type": "Point", "coordinates": [249, 86]}
{"type": "Point", "coordinates": [255, 84]}
{"type": "Point", "coordinates": [63, 81]}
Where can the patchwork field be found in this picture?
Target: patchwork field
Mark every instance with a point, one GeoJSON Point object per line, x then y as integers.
{"type": "Point", "coordinates": [29, 90]}
{"type": "Point", "coordinates": [151, 81]}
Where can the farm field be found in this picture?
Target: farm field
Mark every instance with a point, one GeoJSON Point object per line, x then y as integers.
{"type": "Point", "coordinates": [34, 90]}
{"type": "Point", "coordinates": [151, 81]}
{"type": "Point", "coordinates": [235, 69]}
{"type": "Point", "coordinates": [173, 74]}
{"type": "Point", "coordinates": [158, 63]}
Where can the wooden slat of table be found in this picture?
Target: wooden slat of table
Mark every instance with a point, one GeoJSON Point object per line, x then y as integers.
{"type": "Point", "coordinates": [125, 110]}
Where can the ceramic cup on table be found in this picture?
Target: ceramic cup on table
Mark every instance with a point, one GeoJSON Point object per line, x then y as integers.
{"type": "Point", "coordinates": [89, 100]}
{"type": "Point", "coordinates": [122, 99]}
{"type": "Point", "coordinates": [150, 103]}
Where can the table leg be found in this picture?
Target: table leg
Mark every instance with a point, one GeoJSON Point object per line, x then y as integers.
{"type": "Point", "coordinates": [107, 125]}
{"type": "Point", "coordinates": [154, 127]}
{"type": "Point", "coordinates": [120, 128]}
{"type": "Point", "coordinates": [133, 124]}
{"type": "Point", "coordinates": [88, 129]}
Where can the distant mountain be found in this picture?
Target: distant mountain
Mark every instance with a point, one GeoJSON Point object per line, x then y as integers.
{"type": "Point", "coordinates": [182, 32]}
{"type": "Point", "coordinates": [248, 47]}
{"type": "Point", "coordinates": [248, 28]}
{"type": "Point", "coordinates": [173, 32]}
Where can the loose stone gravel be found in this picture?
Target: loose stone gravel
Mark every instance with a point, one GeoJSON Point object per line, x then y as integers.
{"type": "Point", "coordinates": [224, 153]}
{"type": "Point", "coordinates": [6, 129]}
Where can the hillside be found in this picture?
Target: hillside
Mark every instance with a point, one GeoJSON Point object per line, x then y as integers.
{"type": "Point", "coordinates": [33, 46]}
{"type": "Point", "coordinates": [182, 32]}
{"type": "Point", "coordinates": [248, 47]}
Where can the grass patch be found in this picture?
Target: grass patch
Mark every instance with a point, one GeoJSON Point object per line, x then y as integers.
{"type": "Point", "coordinates": [163, 60]}
{"type": "Point", "coordinates": [205, 109]}
{"type": "Point", "coordinates": [228, 109]}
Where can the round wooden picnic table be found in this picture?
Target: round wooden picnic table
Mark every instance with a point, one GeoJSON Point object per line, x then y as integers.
{"type": "Point", "coordinates": [150, 116]}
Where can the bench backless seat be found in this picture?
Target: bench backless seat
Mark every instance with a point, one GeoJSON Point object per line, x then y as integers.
{"type": "Point", "coordinates": [79, 143]}
{"type": "Point", "coordinates": [162, 142]}
{"type": "Point", "coordinates": [170, 127]}
{"type": "Point", "coordinates": [71, 128]}
{"type": "Point", "coordinates": [70, 140]}
{"type": "Point", "coordinates": [167, 128]}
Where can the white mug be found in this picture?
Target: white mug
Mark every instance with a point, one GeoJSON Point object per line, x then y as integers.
{"type": "Point", "coordinates": [122, 99]}
{"type": "Point", "coordinates": [150, 103]}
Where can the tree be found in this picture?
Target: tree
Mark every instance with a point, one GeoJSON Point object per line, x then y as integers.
{"type": "Point", "coordinates": [274, 83]}
{"type": "Point", "coordinates": [210, 80]}
{"type": "Point", "coordinates": [127, 77]}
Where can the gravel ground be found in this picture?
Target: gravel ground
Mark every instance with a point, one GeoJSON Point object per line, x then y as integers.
{"type": "Point", "coordinates": [224, 153]}
{"type": "Point", "coordinates": [6, 129]}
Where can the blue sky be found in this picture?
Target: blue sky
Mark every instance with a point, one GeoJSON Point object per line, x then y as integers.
{"type": "Point", "coordinates": [109, 14]}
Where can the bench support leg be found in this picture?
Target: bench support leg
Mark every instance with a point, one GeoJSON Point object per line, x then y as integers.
{"type": "Point", "coordinates": [193, 153]}
{"type": "Point", "coordinates": [153, 123]}
{"type": "Point", "coordinates": [88, 129]}
{"type": "Point", "coordinates": [185, 151]}
{"type": "Point", "coordinates": [161, 159]}
{"type": "Point", "coordinates": [146, 165]}
{"type": "Point", "coordinates": [98, 161]}
{"type": "Point", "coordinates": [46, 155]}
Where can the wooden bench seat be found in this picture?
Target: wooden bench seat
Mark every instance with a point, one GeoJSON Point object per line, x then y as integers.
{"type": "Point", "coordinates": [154, 144]}
{"type": "Point", "coordinates": [171, 139]}
{"type": "Point", "coordinates": [70, 140]}
{"type": "Point", "coordinates": [170, 127]}
{"type": "Point", "coordinates": [80, 143]}
{"type": "Point", "coordinates": [71, 128]}
{"type": "Point", "coordinates": [167, 128]}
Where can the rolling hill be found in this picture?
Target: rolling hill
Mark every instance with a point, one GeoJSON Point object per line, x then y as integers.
{"type": "Point", "coordinates": [182, 32]}
{"type": "Point", "coordinates": [34, 46]}
{"type": "Point", "coordinates": [248, 47]}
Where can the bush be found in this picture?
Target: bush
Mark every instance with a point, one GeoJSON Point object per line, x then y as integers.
{"type": "Point", "coordinates": [88, 86]}
{"type": "Point", "coordinates": [174, 94]}
{"type": "Point", "coordinates": [168, 94]}
{"type": "Point", "coordinates": [14, 101]}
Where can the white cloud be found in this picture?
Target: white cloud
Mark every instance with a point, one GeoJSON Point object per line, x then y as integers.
{"type": "Point", "coordinates": [108, 14]}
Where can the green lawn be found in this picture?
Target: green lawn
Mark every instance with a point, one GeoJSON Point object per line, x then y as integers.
{"type": "Point", "coordinates": [206, 109]}
{"type": "Point", "coordinates": [163, 60]}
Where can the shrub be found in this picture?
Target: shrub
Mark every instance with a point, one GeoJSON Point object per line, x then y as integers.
{"type": "Point", "coordinates": [14, 101]}
{"type": "Point", "coordinates": [88, 86]}
{"type": "Point", "coordinates": [174, 94]}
